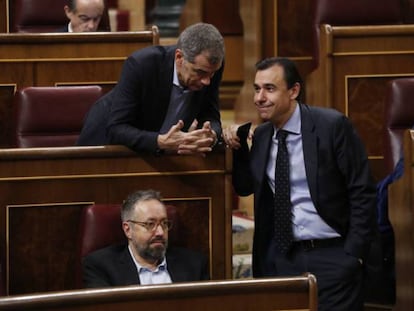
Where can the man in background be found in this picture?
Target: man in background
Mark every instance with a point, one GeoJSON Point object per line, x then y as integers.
{"type": "Point", "coordinates": [83, 15]}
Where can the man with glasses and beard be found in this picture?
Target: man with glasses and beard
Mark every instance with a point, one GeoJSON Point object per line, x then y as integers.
{"type": "Point", "coordinates": [146, 258]}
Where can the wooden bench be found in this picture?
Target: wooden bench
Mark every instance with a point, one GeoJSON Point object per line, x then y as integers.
{"type": "Point", "coordinates": [295, 293]}
{"type": "Point", "coordinates": [43, 191]}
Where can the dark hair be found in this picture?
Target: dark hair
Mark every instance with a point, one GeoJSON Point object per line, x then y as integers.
{"type": "Point", "coordinates": [199, 38]}
{"type": "Point", "coordinates": [291, 73]}
{"type": "Point", "coordinates": [136, 197]}
{"type": "Point", "coordinates": [72, 5]}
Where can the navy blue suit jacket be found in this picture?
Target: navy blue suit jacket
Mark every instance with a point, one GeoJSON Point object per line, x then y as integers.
{"type": "Point", "coordinates": [338, 174]}
{"type": "Point", "coordinates": [114, 266]}
{"type": "Point", "coordinates": [133, 112]}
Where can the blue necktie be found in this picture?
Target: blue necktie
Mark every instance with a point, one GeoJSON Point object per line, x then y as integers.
{"type": "Point", "coordinates": [283, 214]}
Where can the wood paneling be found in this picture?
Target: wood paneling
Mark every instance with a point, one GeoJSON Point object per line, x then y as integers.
{"type": "Point", "coordinates": [355, 64]}
{"type": "Point", "coordinates": [42, 191]}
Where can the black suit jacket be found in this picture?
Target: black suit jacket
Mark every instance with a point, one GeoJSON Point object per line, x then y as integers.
{"type": "Point", "coordinates": [133, 112]}
{"type": "Point", "coordinates": [114, 266]}
{"type": "Point", "coordinates": [338, 175]}
{"type": "Point", "coordinates": [63, 29]}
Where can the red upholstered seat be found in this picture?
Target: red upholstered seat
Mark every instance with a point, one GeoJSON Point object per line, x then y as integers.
{"type": "Point", "coordinates": [101, 226]}
{"type": "Point", "coordinates": [51, 116]}
{"type": "Point", "coordinates": [399, 116]}
{"type": "Point", "coordinates": [43, 16]}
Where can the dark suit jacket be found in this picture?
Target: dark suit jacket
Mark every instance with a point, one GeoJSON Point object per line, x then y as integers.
{"type": "Point", "coordinates": [133, 112]}
{"type": "Point", "coordinates": [114, 266]}
{"type": "Point", "coordinates": [63, 29]}
{"type": "Point", "coordinates": [338, 175]}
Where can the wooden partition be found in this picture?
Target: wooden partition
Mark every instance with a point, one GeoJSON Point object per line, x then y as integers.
{"type": "Point", "coordinates": [356, 62]}
{"type": "Point", "coordinates": [401, 213]}
{"type": "Point", "coordinates": [42, 192]}
{"type": "Point", "coordinates": [295, 293]}
{"type": "Point", "coordinates": [59, 59]}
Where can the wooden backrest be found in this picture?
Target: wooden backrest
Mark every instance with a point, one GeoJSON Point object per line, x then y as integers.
{"type": "Point", "coordinates": [353, 13]}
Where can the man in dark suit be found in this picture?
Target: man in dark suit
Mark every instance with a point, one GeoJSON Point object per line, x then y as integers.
{"type": "Point", "coordinates": [147, 258]}
{"type": "Point", "coordinates": [166, 99]}
{"type": "Point", "coordinates": [331, 194]}
{"type": "Point", "coordinates": [83, 15]}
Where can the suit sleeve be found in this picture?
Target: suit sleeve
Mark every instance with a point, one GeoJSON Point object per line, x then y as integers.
{"type": "Point", "coordinates": [127, 105]}
{"type": "Point", "coordinates": [242, 178]}
{"type": "Point", "coordinates": [353, 163]}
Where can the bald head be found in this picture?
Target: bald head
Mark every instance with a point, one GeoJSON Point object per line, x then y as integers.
{"type": "Point", "coordinates": [84, 15]}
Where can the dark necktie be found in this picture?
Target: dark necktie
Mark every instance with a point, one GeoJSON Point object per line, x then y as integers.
{"type": "Point", "coordinates": [283, 214]}
{"type": "Point", "coordinates": [177, 109]}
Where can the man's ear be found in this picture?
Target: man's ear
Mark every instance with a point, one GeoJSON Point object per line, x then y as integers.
{"type": "Point", "coordinates": [67, 11]}
{"type": "Point", "coordinates": [294, 91]}
{"type": "Point", "coordinates": [179, 56]}
{"type": "Point", "coordinates": [126, 227]}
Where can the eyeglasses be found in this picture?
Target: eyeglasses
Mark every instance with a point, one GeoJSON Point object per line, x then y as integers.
{"type": "Point", "coordinates": [153, 225]}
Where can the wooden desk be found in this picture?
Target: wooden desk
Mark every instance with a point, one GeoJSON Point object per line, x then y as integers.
{"type": "Point", "coordinates": [355, 64]}
{"type": "Point", "coordinates": [58, 59]}
{"type": "Point", "coordinates": [401, 213]}
{"type": "Point", "coordinates": [42, 192]}
{"type": "Point", "coordinates": [296, 293]}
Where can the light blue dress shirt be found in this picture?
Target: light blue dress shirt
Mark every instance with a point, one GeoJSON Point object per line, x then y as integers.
{"type": "Point", "coordinates": [307, 224]}
{"type": "Point", "coordinates": [147, 276]}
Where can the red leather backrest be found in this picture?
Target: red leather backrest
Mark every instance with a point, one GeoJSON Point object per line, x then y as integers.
{"type": "Point", "coordinates": [353, 12]}
{"type": "Point", "coordinates": [399, 116]}
{"type": "Point", "coordinates": [51, 116]}
{"type": "Point", "coordinates": [43, 16]}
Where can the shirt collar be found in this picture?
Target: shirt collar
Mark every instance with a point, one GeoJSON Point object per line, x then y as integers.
{"type": "Point", "coordinates": [293, 125]}
{"type": "Point", "coordinates": [70, 27]}
{"type": "Point", "coordinates": [176, 82]}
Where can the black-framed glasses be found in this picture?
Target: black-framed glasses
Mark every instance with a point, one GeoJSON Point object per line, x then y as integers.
{"type": "Point", "coordinates": [151, 226]}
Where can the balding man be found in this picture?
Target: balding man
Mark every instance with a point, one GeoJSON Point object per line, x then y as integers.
{"type": "Point", "coordinates": [83, 15]}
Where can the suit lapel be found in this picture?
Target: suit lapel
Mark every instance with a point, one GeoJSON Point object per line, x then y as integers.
{"type": "Point", "coordinates": [127, 268]}
{"type": "Point", "coordinates": [310, 149]}
{"type": "Point", "coordinates": [263, 153]}
{"type": "Point", "coordinates": [166, 79]}
{"type": "Point", "coordinates": [177, 267]}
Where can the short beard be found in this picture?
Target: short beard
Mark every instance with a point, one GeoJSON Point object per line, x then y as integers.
{"type": "Point", "coordinates": [153, 254]}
